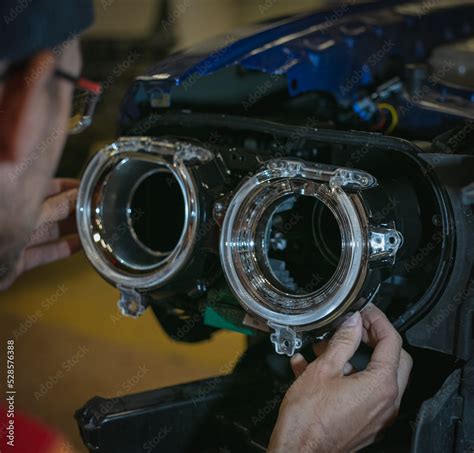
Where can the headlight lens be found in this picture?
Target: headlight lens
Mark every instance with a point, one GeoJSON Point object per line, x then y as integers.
{"type": "Point", "coordinates": [138, 213]}
{"type": "Point", "coordinates": [266, 229]}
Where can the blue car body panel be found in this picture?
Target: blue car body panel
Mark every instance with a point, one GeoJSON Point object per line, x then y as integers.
{"type": "Point", "coordinates": [336, 51]}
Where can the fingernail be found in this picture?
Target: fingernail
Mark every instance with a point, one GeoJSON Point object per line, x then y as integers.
{"type": "Point", "coordinates": [352, 320]}
{"type": "Point", "coordinates": [347, 369]}
{"type": "Point", "coordinates": [296, 357]}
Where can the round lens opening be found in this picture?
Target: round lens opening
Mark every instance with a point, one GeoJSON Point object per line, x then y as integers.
{"type": "Point", "coordinates": [302, 243]}
{"type": "Point", "coordinates": [157, 211]}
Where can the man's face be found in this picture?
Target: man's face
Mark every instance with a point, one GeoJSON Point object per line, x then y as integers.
{"type": "Point", "coordinates": [36, 105]}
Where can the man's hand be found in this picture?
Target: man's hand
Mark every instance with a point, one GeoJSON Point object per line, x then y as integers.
{"type": "Point", "coordinates": [330, 408]}
{"type": "Point", "coordinates": [55, 236]}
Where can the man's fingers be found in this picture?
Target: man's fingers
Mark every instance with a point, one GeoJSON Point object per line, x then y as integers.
{"type": "Point", "coordinates": [320, 347]}
{"type": "Point", "coordinates": [298, 364]}
{"type": "Point", "coordinates": [58, 185]}
{"type": "Point", "coordinates": [43, 254]}
{"type": "Point", "coordinates": [343, 344]}
{"type": "Point", "coordinates": [383, 337]}
{"type": "Point", "coordinates": [348, 369]}
{"type": "Point", "coordinates": [58, 207]}
{"type": "Point", "coordinates": [49, 232]}
{"type": "Point", "coordinates": [404, 370]}
{"type": "Point", "coordinates": [375, 327]}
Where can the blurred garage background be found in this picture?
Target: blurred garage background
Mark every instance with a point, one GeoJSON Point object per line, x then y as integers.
{"type": "Point", "coordinates": [71, 342]}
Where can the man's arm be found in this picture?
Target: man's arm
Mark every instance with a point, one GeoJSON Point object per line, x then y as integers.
{"type": "Point", "coordinates": [330, 408]}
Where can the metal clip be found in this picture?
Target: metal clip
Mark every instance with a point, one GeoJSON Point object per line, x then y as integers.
{"type": "Point", "coordinates": [285, 339]}
{"type": "Point", "coordinates": [131, 302]}
{"type": "Point", "coordinates": [384, 243]}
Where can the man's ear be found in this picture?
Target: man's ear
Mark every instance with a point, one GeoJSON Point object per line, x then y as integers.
{"type": "Point", "coordinates": [19, 107]}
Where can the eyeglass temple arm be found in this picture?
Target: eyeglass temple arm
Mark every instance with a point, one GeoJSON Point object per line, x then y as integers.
{"type": "Point", "coordinates": [81, 82]}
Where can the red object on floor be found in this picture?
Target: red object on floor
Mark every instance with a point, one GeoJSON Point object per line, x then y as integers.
{"type": "Point", "coordinates": [29, 435]}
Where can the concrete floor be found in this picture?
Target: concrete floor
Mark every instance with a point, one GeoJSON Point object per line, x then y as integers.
{"type": "Point", "coordinates": [72, 344]}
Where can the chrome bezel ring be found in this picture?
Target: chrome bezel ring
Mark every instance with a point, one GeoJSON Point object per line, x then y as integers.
{"type": "Point", "coordinates": [161, 156]}
{"type": "Point", "coordinates": [239, 244]}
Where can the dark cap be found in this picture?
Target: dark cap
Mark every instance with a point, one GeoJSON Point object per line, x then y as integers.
{"type": "Point", "coordinates": [28, 26]}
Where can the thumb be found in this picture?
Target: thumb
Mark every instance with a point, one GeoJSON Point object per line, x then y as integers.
{"type": "Point", "coordinates": [344, 343]}
{"type": "Point", "coordinates": [298, 364]}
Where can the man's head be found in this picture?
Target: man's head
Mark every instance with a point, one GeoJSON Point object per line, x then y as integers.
{"type": "Point", "coordinates": [37, 38]}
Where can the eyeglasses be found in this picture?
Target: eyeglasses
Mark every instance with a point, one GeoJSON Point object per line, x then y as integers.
{"type": "Point", "coordinates": [85, 98]}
